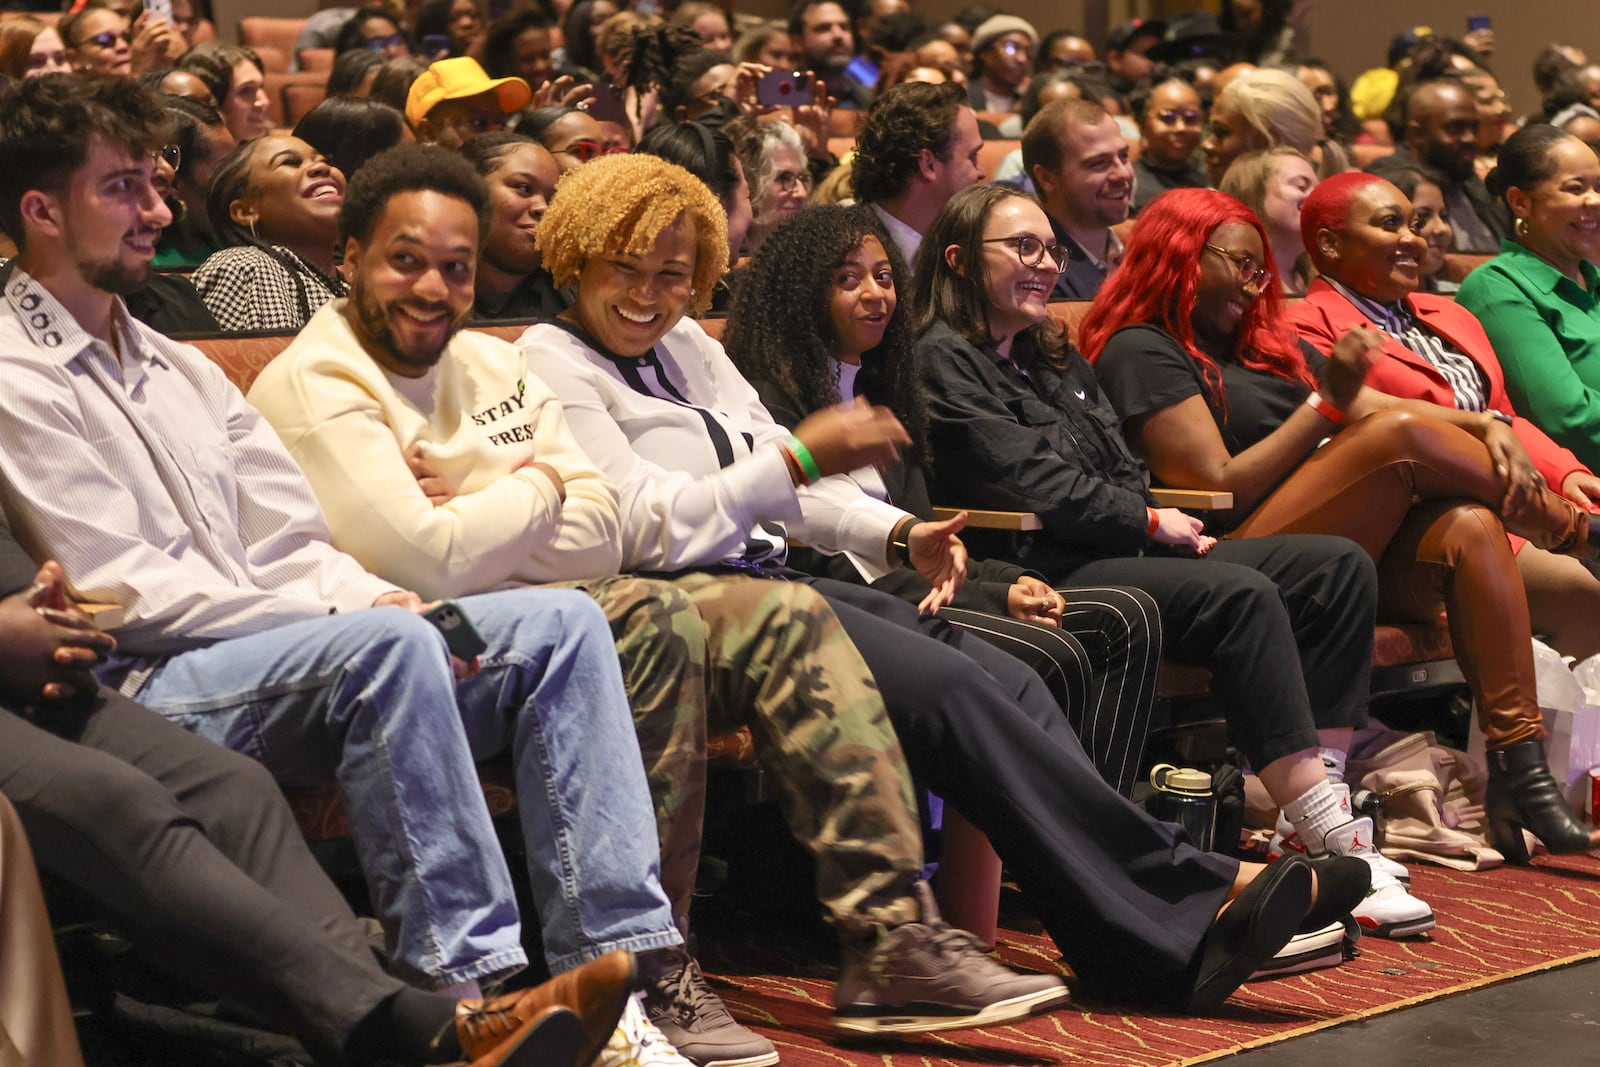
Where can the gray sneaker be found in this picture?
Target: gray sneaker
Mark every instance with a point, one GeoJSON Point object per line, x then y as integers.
{"type": "Point", "coordinates": [928, 975]}
{"type": "Point", "coordinates": [683, 1007]}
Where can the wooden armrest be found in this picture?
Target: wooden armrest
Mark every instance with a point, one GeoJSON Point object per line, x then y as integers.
{"type": "Point", "coordinates": [1193, 499]}
{"type": "Point", "coordinates": [105, 616]}
{"type": "Point", "coordinates": [993, 520]}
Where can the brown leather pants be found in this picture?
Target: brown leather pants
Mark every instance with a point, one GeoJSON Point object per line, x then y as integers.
{"type": "Point", "coordinates": [1421, 497]}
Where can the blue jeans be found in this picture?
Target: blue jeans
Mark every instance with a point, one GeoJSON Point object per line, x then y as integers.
{"type": "Point", "coordinates": [366, 699]}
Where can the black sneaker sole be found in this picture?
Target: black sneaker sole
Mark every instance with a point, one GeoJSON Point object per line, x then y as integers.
{"type": "Point", "coordinates": [923, 1019]}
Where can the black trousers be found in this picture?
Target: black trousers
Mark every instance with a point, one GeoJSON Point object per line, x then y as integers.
{"type": "Point", "coordinates": [1101, 666]}
{"type": "Point", "coordinates": [1284, 623]}
{"type": "Point", "coordinates": [1126, 898]}
{"type": "Point", "coordinates": [194, 852]}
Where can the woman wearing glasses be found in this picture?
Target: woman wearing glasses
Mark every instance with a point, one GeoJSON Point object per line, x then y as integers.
{"type": "Point", "coordinates": [1016, 421]}
{"type": "Point", "coordinates": [1213, 390]}
{"type": "Point", "coordinates": [570, 134]}
{"type": "Point", "coordinates": [775, 164]}
{"type": "Point", "coordinates": [1171, 121]}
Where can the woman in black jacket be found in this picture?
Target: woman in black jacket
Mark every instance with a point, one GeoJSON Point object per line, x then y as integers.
{"type": "Point", "coordinates": [1016, 421]}
{"type": "Point", "coordinates": [817, 322]}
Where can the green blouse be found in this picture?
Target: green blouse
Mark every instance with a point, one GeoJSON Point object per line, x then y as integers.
{"type": "Point", "coordinates": [1545, 328]}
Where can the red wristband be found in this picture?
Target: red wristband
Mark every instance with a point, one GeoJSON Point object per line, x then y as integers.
{"type": "Point", "coordinates": [1325, 409]}
{"type": "Point", "coordinates": [1155, 521]}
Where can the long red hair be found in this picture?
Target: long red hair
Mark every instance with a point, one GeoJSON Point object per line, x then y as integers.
{"type": "Point", "coordinates": [1160, 273]}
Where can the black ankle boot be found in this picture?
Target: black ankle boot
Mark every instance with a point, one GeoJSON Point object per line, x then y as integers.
{"type": "Point", "coordinates": [1523, 794]}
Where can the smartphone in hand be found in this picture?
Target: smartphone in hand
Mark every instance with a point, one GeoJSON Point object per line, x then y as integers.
{"type": "Point", "coordinates": [460, 636]}
{"type": "Point", "coordinates": [784, 88]}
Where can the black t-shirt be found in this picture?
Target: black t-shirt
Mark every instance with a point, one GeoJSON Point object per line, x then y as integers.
{"type": "Point", "coordinates": [1144, 369]}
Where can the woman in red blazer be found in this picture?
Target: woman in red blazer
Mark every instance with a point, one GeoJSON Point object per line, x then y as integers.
{"type": "Point", "coordinates": [1215, 391]}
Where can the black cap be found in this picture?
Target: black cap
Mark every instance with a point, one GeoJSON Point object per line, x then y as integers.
{"type": "Point", "coordinates": [1120, 38]}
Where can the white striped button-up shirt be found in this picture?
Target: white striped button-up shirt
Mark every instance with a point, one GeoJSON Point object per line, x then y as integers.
{"type": "Point", "coordinates": [144, 472]}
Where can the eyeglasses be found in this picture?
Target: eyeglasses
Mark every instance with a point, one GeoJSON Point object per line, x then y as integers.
{"type": "Point", "coordinates": [789, 179]}
{"type": "Point", "coordinates": [1249, 273]}
{"type": "Point", "coordinates": [1016, 48]}
{"type": "Point", "coordinates": [170, 154]}
{"type": "Point", "coordinates": [1031, 251]}
{"type": "Point", "coordinates": [378, 44]}
{"type": "Point", "coordinates": [108, 39]}
{"type": "Point", "coordinates": [587, 150]}
{"type": "Point", "coordinates": [1172, 116]}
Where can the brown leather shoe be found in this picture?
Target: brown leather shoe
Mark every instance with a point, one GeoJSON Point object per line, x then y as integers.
{"type": "Point", "coordinates": [492, 1030]}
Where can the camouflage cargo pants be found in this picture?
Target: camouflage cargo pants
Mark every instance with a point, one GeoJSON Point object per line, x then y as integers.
{"type": "Point", "coordinates": [707, 653]}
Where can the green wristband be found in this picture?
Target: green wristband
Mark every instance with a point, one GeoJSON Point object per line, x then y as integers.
{"type": "Point", "coordinates": [802, 456]}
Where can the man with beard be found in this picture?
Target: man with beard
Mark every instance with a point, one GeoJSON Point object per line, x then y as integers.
{"type": "Point", "coordinates": [376, 375]}
{"type": "Point", "coordinates": [824, 40]}
{"type": "Point", "coordinates": [1441, 134]}
{"type": "Point", "coordinates": [132, 461]}
{"type": "Point", "coordinates": [1078, 161]}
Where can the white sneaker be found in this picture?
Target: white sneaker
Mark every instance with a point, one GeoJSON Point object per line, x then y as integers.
{"type": "Point", "coordinates": [1389, 910]}
{"type": "Point", "coordinates": [637, 1043]}
{"type": "Point", "coordinates": [1287, 840]}
{"type": "Point", "coordinates": [1306, 952]}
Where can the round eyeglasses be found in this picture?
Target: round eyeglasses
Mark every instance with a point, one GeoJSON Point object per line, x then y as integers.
{"type": "Point", "coordinates": [1249, 273]}
{"type": "Point", "coordinates": [1031, 251]}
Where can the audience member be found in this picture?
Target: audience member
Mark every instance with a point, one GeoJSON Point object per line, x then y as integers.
{"type": "Point", "coordinates": [1078, 161]}
{"type": "Point", "coordinates": [354, 73]}
{"type": "Point", "coordinates": [192, 852]}
{"type": "Point", "coordinates": [203, 142]}
{"type": "Point", "coordinates": [449, 29]}
{"type": "Point", "coordinates": [1552, 60]}
{"type": "Point", "coordinates": [1002, 50]}
{"type": "Point", "coordinates": [1088, 860]}
{"type": "Point", "coordinates": [372, 29]}
{"type": "Point", "coordinates": [918, 146]}
{"type": "Point", "coordinates": [347, 131]}
{"type": "Point", "coordinates": [454, 100]}
{"type": "Point", "coordinates": [823, 36]}
{"type": "Point", "coordinates": [1274, 184]}
{"type": "Point", "coordinates": [392, 84]}
{"type": "Point", "coordinates": [710, 156]}
{"type": "Point", "coordinates": [1171, 122]}
{"type": "Point", "coordinates": [1339, 124]}
{"type": "Point", "coordinates": [29, 48]}
{"type": "Point", "coordinates": [245, 626]}
{"type": "Point", "coordinates": [1265, 109]}
{"type": "Point", "coordinates": [180, 83]}
{"type": "Point", "coordinates": [234, 76]}
{"type": "Point", "coordinates": [1441, 133]}
{"type": "Point", "coordinates": [511, 281]}
{"type": "Point", "coordinates": [1270, 31]}
{"type": "Point", "coordinates": [707, 21]}
{"type": "Point", "coordinates": [583, 21]}
{"type": "Point", "coordinates": [101, 40]}
{"type": "Point", "coordinates": [767, 43]}
{"type": "Point", "coordinates": [1062, 50]}
{"type": "Point", "coordinates": [775, 166]}
{"type": "Point", "coordinates": [1043, 89]}
{"type": "Point", "coordinates": [274, 205]}
{"type": "Point", "coordinates": [520, 44]}
{"type": "Point", "coordinates": [1430, 219]}
{"type": "Point", "coordinates": [1435, 351]}
{"type": "Point", "coordinates": [819, 322]}
{"type": "Point", "coordinates": [701, 84]}
{"type": "Point", "coordinates": [1537, 299]}
{"type": "Point", "coordinates": [571, 135]}
{"type": "Point", "coordinates": [1125, 54]}
{"type": "Point", "coordinates": [1289, 669]}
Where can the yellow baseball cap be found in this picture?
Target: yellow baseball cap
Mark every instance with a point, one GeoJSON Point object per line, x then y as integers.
{"type": "Point", "coordinates": [456, 79]}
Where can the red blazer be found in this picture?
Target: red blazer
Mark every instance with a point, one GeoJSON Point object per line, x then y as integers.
{"type": "Point", "coordinates": [1325, 315]}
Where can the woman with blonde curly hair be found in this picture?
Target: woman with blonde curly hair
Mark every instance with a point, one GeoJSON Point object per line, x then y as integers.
{"type": "Point", "coordinates": [1263, 109]}
{"type": "Point", "coordinates": [708, 482]}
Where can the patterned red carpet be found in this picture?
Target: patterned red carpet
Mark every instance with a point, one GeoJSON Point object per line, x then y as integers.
{"type": "Point", "coordinates": [1492, 926]}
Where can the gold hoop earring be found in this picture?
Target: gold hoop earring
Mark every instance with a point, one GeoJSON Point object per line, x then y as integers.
{"type": "Point", "coordinates": [1521, 227]}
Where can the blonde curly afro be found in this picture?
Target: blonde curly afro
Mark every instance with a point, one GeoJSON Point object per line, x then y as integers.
{"type": "Point", "coordinates": [618, 205]}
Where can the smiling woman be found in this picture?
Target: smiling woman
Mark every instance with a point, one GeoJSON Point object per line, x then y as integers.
{"type": "Point", "coordinates": [274, 205]}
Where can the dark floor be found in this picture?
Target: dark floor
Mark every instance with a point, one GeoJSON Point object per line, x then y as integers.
{"type": "Point", "coordinates": [1546, 1020]}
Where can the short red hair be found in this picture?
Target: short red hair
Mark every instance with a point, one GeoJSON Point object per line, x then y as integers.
{"type": "Point", "coordinates": [1160, 274]}
{"type": "Point", "coordinates": [1328, 207]}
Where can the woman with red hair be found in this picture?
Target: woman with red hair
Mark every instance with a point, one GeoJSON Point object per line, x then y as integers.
{"type": "Point", "coordinates": [1214, 390]}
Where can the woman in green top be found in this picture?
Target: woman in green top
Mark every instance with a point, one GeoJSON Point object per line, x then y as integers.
{"type": "Point", "coordinates": [1539, 299]}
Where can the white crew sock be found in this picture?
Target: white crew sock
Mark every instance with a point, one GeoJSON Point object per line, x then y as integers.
{"type": "Point", "coordinates": [1333, 761]}
{"type": "Point", "coordinates": [1312, 814]}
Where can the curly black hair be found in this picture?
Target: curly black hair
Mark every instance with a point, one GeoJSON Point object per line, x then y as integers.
{"type": "Point", "coordinates": [407, 168]}
{"type": "Point", "coordinates": [780, 329]}
{"type": "Point", "coordinates": [900, 124]}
